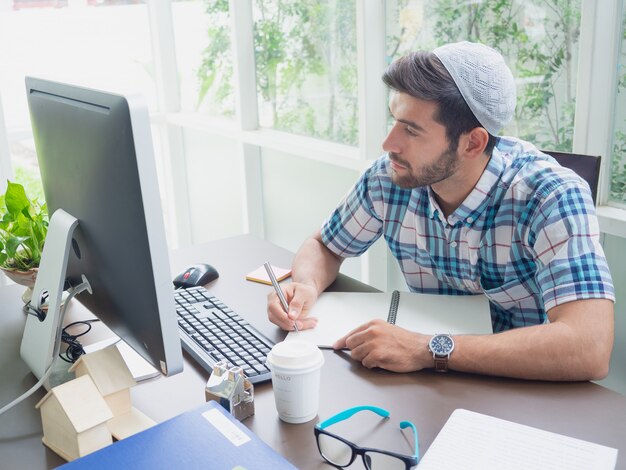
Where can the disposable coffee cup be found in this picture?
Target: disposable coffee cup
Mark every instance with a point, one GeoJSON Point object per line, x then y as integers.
{"type": "Point", "coordinates": [296, 367]}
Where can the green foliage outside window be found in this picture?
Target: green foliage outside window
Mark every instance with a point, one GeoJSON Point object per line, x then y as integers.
{"type": "Point", "coordinates": [618, 160]}
{"type": "Point", "coordinates": [299, 46]}
{"type": "Point", "coordinates": [296, 39]}
{"type": "Point", "coordinates": [299, 41]}
{"type": "Point", "coordinates": [215, 72]}
{"type": "Point", "coordinates": [538, 39]}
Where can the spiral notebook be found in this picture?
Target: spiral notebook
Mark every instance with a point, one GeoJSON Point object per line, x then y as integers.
{"type": "Point", "coordinates": [340, 312]}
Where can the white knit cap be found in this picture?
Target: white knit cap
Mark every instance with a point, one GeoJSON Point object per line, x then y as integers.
{"type": "Point", "coordinates": [483, 79]}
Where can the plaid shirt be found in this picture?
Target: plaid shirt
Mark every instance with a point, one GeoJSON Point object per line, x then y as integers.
{"type": "Point", "coordinates": [527, 235]}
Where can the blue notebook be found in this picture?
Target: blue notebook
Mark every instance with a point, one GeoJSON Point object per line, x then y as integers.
{"type": "Point", "coordinates": [204, 438]}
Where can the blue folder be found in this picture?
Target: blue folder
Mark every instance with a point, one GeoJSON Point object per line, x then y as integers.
{"type": "Point", "coordinates": [207, 437]}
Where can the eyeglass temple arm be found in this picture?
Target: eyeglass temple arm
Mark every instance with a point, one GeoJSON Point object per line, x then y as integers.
{"type": "Point", "coordinates": [408, 424]}
{"type": "Point", "coordinates": [350, 412]}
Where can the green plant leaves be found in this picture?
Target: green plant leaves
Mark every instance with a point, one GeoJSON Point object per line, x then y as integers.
{"type": "Point", "coordinates": [15, 198]}
{"type": "Point", "coordinates": [23, 229]}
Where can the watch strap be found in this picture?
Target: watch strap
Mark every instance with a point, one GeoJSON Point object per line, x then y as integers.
{"type": "Point", "coordinates": [441, 363]}
{"type": "Point", "coordinates": [441, 360]}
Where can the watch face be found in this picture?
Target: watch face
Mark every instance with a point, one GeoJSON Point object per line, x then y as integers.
{"type": "Point", "coordinates": [442, 345]}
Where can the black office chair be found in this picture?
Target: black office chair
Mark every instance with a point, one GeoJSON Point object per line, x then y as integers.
{"type": "Point", "coordinates": [586, 166]}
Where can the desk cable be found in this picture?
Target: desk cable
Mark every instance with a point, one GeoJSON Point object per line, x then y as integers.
{"type": "Point", "coordinates": [74, 347]}
{"type": "Point", "coordinates": [73, 292]}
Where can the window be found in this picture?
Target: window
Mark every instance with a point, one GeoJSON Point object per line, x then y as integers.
{"type": "Point", "coordinates": [204, 56]}
{"type": "Point", "coordinates": [306, 67]}
{"type": "Point", "coordinates": [106, 47]}
{"type": "Point", "coordinates": [305, 78]}
{"type": "Point", "coordinates": [538, 39]}
{"type": "Point", "coordinates": [618, 159]}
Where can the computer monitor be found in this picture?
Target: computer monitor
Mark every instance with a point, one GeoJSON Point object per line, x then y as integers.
{"type": "Point", "coordinates": [97, 164]}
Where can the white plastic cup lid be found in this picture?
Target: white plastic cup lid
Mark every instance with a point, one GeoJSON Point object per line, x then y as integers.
{"type": "Point", "coordinates": [295, 354]}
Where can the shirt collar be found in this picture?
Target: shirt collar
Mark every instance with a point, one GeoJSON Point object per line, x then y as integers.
{"type": "Point", "coordinates": [474, 204]}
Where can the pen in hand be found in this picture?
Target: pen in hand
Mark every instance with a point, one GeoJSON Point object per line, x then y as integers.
{"type": "Point", "coordinates": [279, 292]}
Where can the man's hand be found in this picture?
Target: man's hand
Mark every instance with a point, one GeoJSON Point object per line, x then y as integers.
{"type": "Point", "coordinates": [300, 298]}
{"type": "Point", "coordinates": [380, 344]}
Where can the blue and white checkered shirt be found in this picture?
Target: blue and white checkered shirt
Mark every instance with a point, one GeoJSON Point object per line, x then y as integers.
{"type": "Point", "coordinates": [527, 235]}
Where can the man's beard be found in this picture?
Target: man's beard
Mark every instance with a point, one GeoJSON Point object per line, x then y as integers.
{"type": "Point", "coordinates": [439, 170]}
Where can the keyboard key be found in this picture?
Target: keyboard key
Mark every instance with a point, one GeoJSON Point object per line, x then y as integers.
{"type": "Point", "coordinates": [250, 372]}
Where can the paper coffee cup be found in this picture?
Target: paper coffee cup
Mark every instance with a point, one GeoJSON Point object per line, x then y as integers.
{"type": "Point", "coordinates": [296, 367]}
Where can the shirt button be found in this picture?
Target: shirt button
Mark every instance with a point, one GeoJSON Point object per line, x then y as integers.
{"type": "Point", "coordinates": [453, 244]}
{"type": "Point", "coordinates": [469, 220]}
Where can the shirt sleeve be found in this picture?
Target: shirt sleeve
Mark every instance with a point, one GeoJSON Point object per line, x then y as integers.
{"type": "Point", "coordinates": [356, 223]}
{"type": "Point", "coordinates": [565, 237]}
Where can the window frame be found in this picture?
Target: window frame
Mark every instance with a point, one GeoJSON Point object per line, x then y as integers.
{"type": "Point", "coordinates": [600, 44]}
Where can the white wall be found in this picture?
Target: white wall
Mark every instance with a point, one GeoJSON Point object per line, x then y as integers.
{"type": "Point", "coordinates": [298, 195]}
{"type": "Point", "coordinates": [214, 179]}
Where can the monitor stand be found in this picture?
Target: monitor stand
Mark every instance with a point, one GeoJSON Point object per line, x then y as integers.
{"type": "Point", "coordinates": [40, 342]}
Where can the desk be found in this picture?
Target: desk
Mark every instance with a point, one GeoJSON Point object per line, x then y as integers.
{"type": "Point", "coordinates": [582, 410]}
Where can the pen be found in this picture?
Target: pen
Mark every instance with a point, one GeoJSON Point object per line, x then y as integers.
{"type": "Point", "coordinates": [279, 291]}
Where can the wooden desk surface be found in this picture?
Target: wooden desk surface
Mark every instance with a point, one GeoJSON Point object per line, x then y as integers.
{"type": "Point", "coordinates": [582, 410]}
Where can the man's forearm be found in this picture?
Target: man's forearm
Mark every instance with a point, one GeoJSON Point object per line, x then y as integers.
{"type": "Point", "coordinates": [574, 348]}
{"type": "Point", "coordinates": [314, 264]}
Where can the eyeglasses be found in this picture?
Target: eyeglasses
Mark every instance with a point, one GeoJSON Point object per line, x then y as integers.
{"type": "Point", "coordinates": [341, 453]}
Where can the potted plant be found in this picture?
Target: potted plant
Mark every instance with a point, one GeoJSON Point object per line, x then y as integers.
{"type": "Point", "coordinates": [23, 228]}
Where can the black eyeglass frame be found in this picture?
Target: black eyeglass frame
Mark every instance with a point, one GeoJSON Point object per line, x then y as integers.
{"type": "Point", "coordinates": [409, 460]}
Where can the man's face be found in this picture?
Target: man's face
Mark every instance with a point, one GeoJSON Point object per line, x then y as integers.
{"type": "Point", "coordinates": [417, 145]}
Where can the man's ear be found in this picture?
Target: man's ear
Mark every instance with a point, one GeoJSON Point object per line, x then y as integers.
{"type": "Point", "coordinates": [474, 142]}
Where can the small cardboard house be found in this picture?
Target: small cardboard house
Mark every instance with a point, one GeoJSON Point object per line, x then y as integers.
{"type": "Point", "coordinates": [74, 417]}
{"type": "Point", "coordinates": [113, 380]}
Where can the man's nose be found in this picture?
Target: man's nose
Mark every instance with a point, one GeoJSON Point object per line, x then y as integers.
{"type": "Point", "coordinates": [392, 141]}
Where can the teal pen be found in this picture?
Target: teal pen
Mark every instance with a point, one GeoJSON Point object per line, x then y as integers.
{"type": "Point", "coordinates": [279, 292]}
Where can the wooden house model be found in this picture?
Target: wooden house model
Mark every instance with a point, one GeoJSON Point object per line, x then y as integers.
{"type": "Point", "coordinates": [74, 417]}
{"type": "Point", "coordinates": [113, 380]}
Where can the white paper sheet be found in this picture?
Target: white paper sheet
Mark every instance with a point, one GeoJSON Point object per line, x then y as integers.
{"type": "Point", "coordinates": [472, 440]}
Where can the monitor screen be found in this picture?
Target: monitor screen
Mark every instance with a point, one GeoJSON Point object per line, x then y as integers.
{"type": "Point", "coordinates": [97, 164]}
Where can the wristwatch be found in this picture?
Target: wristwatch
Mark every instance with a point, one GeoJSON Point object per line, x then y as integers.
{"type": "Point", "coordinates": [441, 345]}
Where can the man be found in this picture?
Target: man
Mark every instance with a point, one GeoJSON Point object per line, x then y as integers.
{"type": "Point", "coordinates": [465, 212]}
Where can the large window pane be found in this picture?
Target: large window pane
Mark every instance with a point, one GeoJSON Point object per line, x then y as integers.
{"type": "Point", "coordinates": [306, 67]}
{"type": "Point", "coordinates": [618, 161]}
{"type": "Point", "coordinates": [104, 47]}
{"type": "Point", "coordinates": [204, 56]}
{"type": "Point", "coordinates": [26, 167]}
{"type": "Point", "coordinates": [538, 38]}
{"type": "Point", "coordinates": [104, 44]}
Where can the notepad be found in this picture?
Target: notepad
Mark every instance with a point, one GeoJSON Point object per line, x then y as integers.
{"type": "Point", "coordinates": [340, 312]}
{"type": "Point", "coordinates": [260, 275]}
{"type": "Point", "coordinates": [471, 440]}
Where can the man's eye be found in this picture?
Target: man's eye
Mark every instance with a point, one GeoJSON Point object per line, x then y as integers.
{"type": "Point", "coordinates": [410, 131]}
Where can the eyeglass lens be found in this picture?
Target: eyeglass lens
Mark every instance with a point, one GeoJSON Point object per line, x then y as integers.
{"type": "Point", "coordinates": [378, 461]}
{"type": "Point", "coordinates": [335, 451]}
{"type": "Point", "coordinates": [340, 454]}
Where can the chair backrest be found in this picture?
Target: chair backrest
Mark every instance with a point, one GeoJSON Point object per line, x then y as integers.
{"type": "Point", "coordinates": [586, 166]}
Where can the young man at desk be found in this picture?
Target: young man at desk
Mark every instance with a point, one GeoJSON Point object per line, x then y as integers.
{"type": "Point", "coordinates": [466, 212]}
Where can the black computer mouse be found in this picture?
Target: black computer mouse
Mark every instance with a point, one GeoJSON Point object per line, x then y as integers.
{"type": "Point", "coordinates": [196, 275]}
